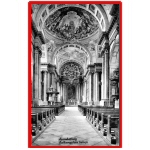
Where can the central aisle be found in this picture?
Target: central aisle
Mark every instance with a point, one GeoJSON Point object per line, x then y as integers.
{"type": "Point", "coordinates": [70, 124]}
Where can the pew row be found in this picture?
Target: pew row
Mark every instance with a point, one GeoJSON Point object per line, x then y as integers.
{"type": "Point", "coordinates": [83, 108]}
{"type": "Point", "coordinates": [58, 109]}
{"type": "Point", "coordinates": [41, 119]}
{"type": "Point", "coordinates": [105, 120]}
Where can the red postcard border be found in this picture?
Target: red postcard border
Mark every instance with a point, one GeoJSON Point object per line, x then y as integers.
{"type": "Point", "coordinates": [29, 69]}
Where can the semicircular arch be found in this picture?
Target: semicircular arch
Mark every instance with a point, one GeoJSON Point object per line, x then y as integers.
{"type": "Point", "coordinates": [79, 46]}
{"type": "Point", "coordinates": [98, 12]}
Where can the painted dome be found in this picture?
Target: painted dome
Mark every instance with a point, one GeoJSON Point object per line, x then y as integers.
{"type": "Point", "coordinates": [71, 23]}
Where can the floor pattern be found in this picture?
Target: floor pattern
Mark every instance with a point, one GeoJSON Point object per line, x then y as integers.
{"type": "Point", "coordinates": [70, 128]}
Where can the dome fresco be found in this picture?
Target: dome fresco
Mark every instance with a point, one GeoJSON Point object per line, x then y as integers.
{"type": "Point", "coordinates": [71, 23]}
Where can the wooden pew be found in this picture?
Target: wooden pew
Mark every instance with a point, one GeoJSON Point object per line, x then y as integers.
{"type": "Point", "coordinates": [47, 114]}
{"type": "Point", "coordinates": [34, 121]}
{"type": "Point", "coordinates": [112, 127]}
{"type": "Point", "coordinates": [58, 109]}
{"type": "Point", "coordinates": [103, 119]}
{"type": "Point", "coordinates": [92, 112]}
{"type": "Point", "coordinates": [107, 123]}
{"type": "Point", "coordinates": [42, 119]}
{"type": "Point", "coordinates": [83, 108]}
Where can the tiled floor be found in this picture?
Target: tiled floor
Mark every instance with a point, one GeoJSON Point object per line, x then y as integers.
{"type": "Point", "coordinates": [70, 128]}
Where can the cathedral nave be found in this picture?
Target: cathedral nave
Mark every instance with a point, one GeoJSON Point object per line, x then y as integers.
{"type": "Point", "coordinates": [75, 75]}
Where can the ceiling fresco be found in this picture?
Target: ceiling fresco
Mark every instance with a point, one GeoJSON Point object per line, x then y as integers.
{"type": "Point", "coordinates": [73, 54]}
{"type": "Point", "coordinates": [71, 23]}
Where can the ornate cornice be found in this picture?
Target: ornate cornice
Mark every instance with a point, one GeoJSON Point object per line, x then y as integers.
{"type": "Point", "coordinates": [51, 68]}
{"type": "Point", "coordinates": [98, 67]}
{"type": "Point", "coordinates": [44, 63]}
{"type": "Point", "coordinates": [44, 71]}
{"type": "Point", "coordinates": [37, 33]}
{"type": "Point", "coordinates": [105, 48]}
{"type": "Point", "coordinates": [37, 49]}
{"type": "Point", "coordinates": [91, 68]}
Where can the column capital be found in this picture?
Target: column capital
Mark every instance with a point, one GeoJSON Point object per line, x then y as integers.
{"type": "Point", "coordinates": [37, 50]}
{"type": "Point", "coordinates": [91, 68]}
{"type": "Point", "coordinates": [106, 47]}
{"type": "Point", "coordinates": [51, 68]}
{"type": "Point", "coordinates": [44, 71]}
{"type": "Point", "coordinates": [98, 67]}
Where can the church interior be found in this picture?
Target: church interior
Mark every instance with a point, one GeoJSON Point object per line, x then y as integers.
{"type": "Point", "coordinates": [75, 75]}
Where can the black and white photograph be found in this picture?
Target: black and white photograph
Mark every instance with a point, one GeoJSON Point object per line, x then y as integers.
{"type": "Point", "coordinates": [76, 75]}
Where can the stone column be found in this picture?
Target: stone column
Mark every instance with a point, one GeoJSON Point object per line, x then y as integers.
{"type": "Point", "coordinates": [77, 93]}
{"type": "Point", "coordinates": [91, 88]}
{"type": "Point", "coordinates": [45, 77]}
{"type": "Point", "coordinates": [100, 86]}
{"type": "Point", "coordinates": [82, 89]}
{"type": "Point", "coordinates": [61, 93]}
{"type": "Point", "coordinates": [48, 80]}
{"type": "Point", "coordinates": [37, 56]}
{"type": "Point", "coordinates": [66, 92]}
{"type": "Point", "coordinates": [40, 83]}
{"type": "Point", "coordinates": [32, 62]}
{"type": "Point", "coordinates": [79, 89]}
{"type": "Point", "coordinates": [58, 89]}
{"type": "Point", "coordinates": [103, 77]}
{"type": "Point", "coordinates": [96, 88]}
{"type": "Point", "coordinates": [53, 80]}
{"type": "Point", "coordinates": [50, 77]}
{"type": "Point", "coordinates": [106, 74]}
{"type": "Point", "coordinates": [85, 87]}
{"type": "Point", "coordinates": [36, 74]}
{"type": "Point", "coordinates": [38, 41]}
{"type": "Point", "coordinates": [85, 91]}
{"type": "Point", "coordinates": [64, 100]}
